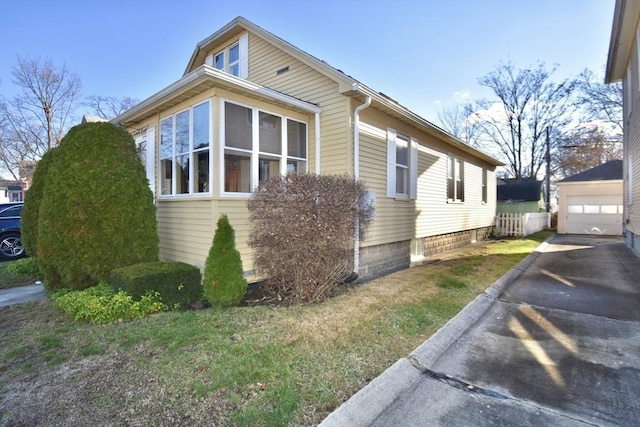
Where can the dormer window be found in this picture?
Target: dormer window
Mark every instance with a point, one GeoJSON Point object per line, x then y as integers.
{"type": "Point", "coordinates": [232, 59]}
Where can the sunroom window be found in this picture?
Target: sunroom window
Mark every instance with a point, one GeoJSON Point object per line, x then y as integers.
{"type": "Point", "coordinates": [185, 151]}
{"type": "Point", "coordinates": [275, 146]}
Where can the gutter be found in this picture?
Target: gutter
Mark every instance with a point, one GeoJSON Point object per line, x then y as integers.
{"type": "Point", "coordinates": [356, 174]}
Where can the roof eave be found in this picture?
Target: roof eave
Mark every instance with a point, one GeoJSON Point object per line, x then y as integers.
{"type": "Point", "coordinates": [207, 76]}
{"type": "Point", "coordinates": [625, 20]}
{"type": "Point", "coordinates": [423, 123]}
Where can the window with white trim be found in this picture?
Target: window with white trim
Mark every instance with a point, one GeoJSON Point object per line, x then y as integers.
{"type": "Point", "coordinates": [485, 175]}
{"type": "Point", "coordinates": [455, 179]}
{"type": "Point", "coordinates": [232, 59]}
{"type": "Point", "coordinates": [185, 151]}
{"type": "Point", "coordinates": [280, 147]}
{"type": "Point", "coordinates": [402, 165]}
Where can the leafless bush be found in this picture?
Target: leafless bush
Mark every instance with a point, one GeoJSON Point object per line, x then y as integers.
{"type": "Point", "coordinates": [303, 229]}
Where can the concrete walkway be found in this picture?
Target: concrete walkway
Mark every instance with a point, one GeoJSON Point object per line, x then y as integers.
{"type": "Point", "coordinates": [21, 294]}
{"type": "Point", "coordinates": [554, 342]}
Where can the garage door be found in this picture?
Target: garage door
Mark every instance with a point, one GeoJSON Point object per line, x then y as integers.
{"type": "Point", "coordinates": [594, 214]}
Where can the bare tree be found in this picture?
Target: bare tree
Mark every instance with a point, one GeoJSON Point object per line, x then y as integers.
{"type": "Point", "coordinates": [34, 121]}
{"type": "Point", "coordinates": [456, 121]}
{"type": "Point", "coordinates": [514, 122]}
{"type": "Point", "coordinates": [584, 148]}
{"type": "Point", "coordinates": [599, 101]}
{"type": "Point", "coordinates": [108, 107]}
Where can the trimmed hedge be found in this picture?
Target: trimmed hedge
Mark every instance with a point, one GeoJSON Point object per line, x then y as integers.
{"type": "Point", "coordinates": [178, 284]}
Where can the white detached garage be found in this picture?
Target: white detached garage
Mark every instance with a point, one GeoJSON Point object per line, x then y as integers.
{"type": "Point", "coordinates": [591, 201]}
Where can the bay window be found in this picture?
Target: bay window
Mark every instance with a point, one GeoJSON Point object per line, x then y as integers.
{"type": "Point", "coordinates": [185, 151]}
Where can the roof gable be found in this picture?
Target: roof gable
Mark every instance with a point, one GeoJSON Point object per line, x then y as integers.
{"type": "Point", "coordinates": [240, 25]}
{"type": "Point", "coordinates": [606, 172]}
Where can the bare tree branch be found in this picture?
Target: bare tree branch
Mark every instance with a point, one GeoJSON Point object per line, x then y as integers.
{"type": "Point", "coordinates": [35, 120]}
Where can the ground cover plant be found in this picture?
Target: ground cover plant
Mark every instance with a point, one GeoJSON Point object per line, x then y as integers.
{"type": "Point", "coordinates": [8, 278]}
{"type": "Point", "coordinates": [238, 366]}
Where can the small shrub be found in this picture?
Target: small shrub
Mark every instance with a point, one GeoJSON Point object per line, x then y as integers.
{"type": "Point", "coordinates": [25, 267]}
{"type": "Point", "coordinates": [303, 229]}
{"type": "Point", "coordinates": [101, 304]}
{"type": "Point", "coordinates": [178, 284]}
{"type": "Point", "coordinates": [224, 283]}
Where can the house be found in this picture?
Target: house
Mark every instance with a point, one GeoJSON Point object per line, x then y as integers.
{"type": "Point", "coordinates": [591, 202]}
{"type": "Point", "coordinates": [250, 105]}
{"type": "Point", "coordinates": [623, 65]}
{"type": "Point", "coordinates": [520, 197]}
{"type": "Point", "coordinates": [11, 191]}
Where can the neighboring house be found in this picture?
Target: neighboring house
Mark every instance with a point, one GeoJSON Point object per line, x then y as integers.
{"type": "Point", "coordinates": [591, 202]}
{"type": "Point", "coordinates": [623, 64]}
{"type": "Point", "coordinates": [520, 197]}
{"type": "Point", "coordinates": [11, 191]}
{"type": "Point", "coordinates": [250, 106]}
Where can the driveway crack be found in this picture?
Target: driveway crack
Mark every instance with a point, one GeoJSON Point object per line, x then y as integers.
{"type": "Point", "coordinates": [456, 382]}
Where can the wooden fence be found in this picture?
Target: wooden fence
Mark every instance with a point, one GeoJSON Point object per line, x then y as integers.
{"type": "Point", "coordinates": [521, 224]}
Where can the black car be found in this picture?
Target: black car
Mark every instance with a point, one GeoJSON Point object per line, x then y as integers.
{"type": "Point", "coordinates": [10, 242]}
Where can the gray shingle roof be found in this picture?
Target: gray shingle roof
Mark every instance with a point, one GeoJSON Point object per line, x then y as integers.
{"type": "Point", "coordinates": [525, 191]}
{"type": "Point", "coordinates": [604, 172]}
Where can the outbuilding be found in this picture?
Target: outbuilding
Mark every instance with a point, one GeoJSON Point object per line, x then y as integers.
{"type": "Point", "coordinates": [591, 202]}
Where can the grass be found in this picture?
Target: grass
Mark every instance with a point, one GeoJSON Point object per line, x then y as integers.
{"type": "Point", "coordinates": [242, 366]}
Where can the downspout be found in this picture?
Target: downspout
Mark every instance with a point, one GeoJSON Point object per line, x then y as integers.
{"type": "Point", "coordinates": [356, 175]}
{"type": "Point", "coordinates": [317, 127]}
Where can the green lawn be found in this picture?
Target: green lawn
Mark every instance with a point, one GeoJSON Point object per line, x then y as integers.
{"type": "Point", "coordinates": [244, 366]}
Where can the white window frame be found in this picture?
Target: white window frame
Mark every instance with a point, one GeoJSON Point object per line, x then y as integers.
{"type": "Point", "coordinates": [242, 62]}
{"type": "Point", "coordinates": [455, 173]}
{"type": "Point", "coordinates": [412, 166]}
{"type": "Point", "coordinates": [485, 186]}
{"type": "Point", "coordinates": [255, 153]}
{"type": "Point", "coordinates": [190, 152]}
{"type": "Point", "coordinates": [148, 141]}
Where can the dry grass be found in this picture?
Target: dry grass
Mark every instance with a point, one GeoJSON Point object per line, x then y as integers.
{"type": "Point", "coordinates": [253, 366]}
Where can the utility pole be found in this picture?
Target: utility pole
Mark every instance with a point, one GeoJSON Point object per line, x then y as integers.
{"type": "Point", "coordinates": [548, 183]}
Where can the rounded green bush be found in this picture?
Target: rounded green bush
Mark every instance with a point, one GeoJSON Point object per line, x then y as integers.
{"type": "Point", "coordinates": [30, 215]}
{"type": "Point", "coordinates": [224, 284]}
{"type": "Point", "coordinates": [97, 211]}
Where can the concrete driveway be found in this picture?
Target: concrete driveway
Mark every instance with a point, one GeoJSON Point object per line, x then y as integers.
{"type": "Point", "coordinates": [554, 342]}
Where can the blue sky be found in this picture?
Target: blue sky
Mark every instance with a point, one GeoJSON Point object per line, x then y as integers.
{"type": "Point", "coordinates": [423, 53]}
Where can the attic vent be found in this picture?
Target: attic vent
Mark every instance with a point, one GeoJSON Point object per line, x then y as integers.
{"type": "Point", "coordinates": [282, 70]}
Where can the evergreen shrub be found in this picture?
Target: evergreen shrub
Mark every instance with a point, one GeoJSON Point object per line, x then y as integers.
{"type": "Point", "coordinates": [30, 215]}
{"type": "Point", "coordinates": [224, 284]}
{"type": "Point", "coordinates": [97, 212]}
{"type": "Point", "coordinates": [177, 284]}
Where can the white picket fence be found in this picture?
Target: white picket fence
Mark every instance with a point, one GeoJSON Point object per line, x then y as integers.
{"type": "Point", "coordinates": [521, 224]}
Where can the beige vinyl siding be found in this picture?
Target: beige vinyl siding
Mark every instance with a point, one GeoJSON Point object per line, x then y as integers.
{"type": "Point", "coordinates": [631, 161]}
{"type": "Point", "coordinates": [303, 82]}
{"type": "Point", "coordinates": [185, 228]}
{"type": "Point", "coordinates": [429, 214]}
